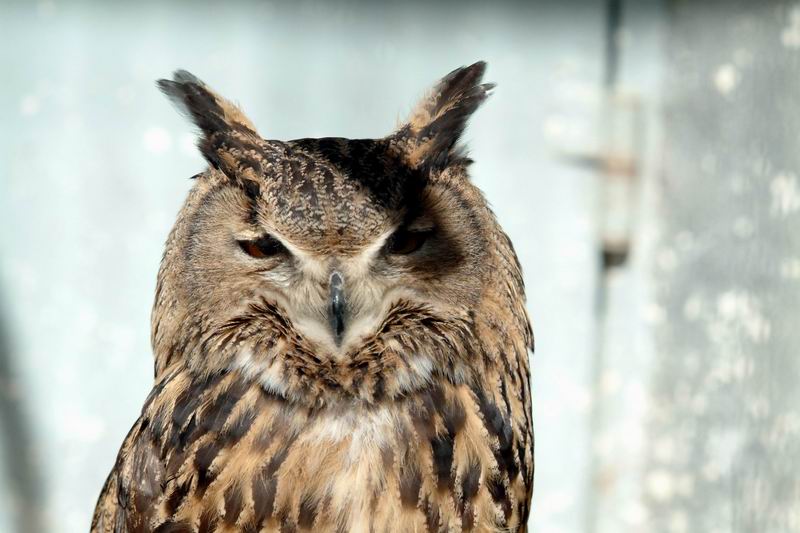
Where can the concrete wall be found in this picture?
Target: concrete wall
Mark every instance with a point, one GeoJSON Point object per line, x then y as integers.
{"type": "Point", "coordinates": [725, 422]}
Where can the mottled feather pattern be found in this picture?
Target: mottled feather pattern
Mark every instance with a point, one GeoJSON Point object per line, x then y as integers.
{"type": "Point", "coordinates": [419, 421]}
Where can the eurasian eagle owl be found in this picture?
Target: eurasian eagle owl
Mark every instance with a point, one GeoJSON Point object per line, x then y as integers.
{"type": "Point", "coordinates": [340, 338]}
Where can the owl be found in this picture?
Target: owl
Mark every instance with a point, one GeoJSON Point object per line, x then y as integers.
{"type": "Point", "coordinates": [340, 338]}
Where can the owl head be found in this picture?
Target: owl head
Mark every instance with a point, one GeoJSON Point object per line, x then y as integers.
{"type": "Point", "coordinates": [328, 243]}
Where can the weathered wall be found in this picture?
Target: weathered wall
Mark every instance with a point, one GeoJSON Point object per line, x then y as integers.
{"type": "Point", "coordinates": [724, 427]}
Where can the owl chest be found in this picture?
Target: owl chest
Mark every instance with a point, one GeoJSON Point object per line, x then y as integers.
{"type": "Point", "coordinates": [237, 459]}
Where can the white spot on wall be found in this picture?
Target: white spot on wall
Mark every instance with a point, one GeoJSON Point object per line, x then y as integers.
{"type": "Point", "coordinates": [790, 268]}
{"type": "Point", "coordinates": [759, 407]}
{"type": "Point", "coordinates": [790, 36]}
{"type": "Point", "coordinates": [726, 78]}
{"type": "Point", "coordinates": [739, 309]}
{"type": "Point", "coordinates": [634, 514]}
{"type": "Point", "coordinates": [157, 140]}
{"type": "Point", "coordinates": [660, 485]}
{"type": "Point", "coordinates": [722, 449]}
{"type": "Point", "coordinates": [554, 128]}
{"type": "Point", "coordinates": [685, 484]}
{"type": "Point", "coordinates": [610, 382]}
{"type": "Point", "coordinates": [654, 314]}
{"type": "Point", "coordinates": [667, 259]}
{"type": "Point", "coordinates": [29, 105]}
{"type": "Point", "coordinates": [693, 307]}
{"type": "Point", "coordinates": [785, 194]}
{"type": "Point", "coordinates": [678, 522]}
{"type": "Point", "coordinates": [664, 450]}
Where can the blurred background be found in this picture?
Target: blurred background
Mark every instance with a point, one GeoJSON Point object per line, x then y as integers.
{"type": "Point", "coordinates": [642, 155]}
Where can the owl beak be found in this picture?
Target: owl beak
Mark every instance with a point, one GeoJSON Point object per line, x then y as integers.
{"type": "Point", "coordinates": [337, 307]}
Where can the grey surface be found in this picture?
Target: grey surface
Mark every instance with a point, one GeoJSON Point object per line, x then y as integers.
{"type": "Point", "coordinates": [725, 423]}
{"type": "Point", "coordinates": [625, 354]}
{"type": "Point", "coordinates": [94, 164]}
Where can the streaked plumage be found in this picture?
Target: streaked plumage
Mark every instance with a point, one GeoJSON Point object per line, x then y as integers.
{"type": "Point", "coordinates": [340, 338]}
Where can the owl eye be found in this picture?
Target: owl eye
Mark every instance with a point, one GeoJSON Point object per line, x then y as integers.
{"type": "Point", "coordinates": [405, 241]}
{"type": "Point", "coordinates": [265, 246]}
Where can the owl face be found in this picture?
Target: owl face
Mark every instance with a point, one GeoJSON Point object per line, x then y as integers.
{"type": "Point", "coordinates": [335, 242]}
{"type": "Point", "coordinates": [334, 233]}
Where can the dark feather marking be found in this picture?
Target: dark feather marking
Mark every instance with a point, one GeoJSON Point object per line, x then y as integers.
{"type": "Point", "coordinates": [454, 416]}
{"type": "Point", "coordinates": [308, 511]}
{"type": "Point", "coordinates": [492, 417]}
{"type": "Point", "coordinates": [504, 395]}
{"type": "Point", "coordinates": [233, 503]}
{"type": "Point", "coordinates": [471, 482]}
{"type": "Point", "coordinates": [505, 452]}
{"type": "Point", "coordinates": [202, 461]}
{"type": "Point", "coordinates": [183, 435]}
{"type": "Point", "coordinates": [442, 447]}
{"type": "Point", "coordinates": [177, 496]}
{"type": "Point", "coordinates": [468, 517]}
{"type": "Point", "coordinates": [214, 416]}
{"type": "Point", "coordinates": [410, 483]}
{"type": "Point", "coordinates": [277, 459]}
{"type": "Point", "coordinates": [263, 495]}
{"type": "Point", "coordinates": [499, 493]}
{"type": "Point", "coordinates": [287, 524]}
{"type": "Point", "coordinates": [498, 426]}
{"type": "Point", "coordinates": [156, 391]}
{"type": "Point", "coordinates": [432, 517]}
{"type": "Point", "coordinates": [251, 188]}
{"type": "Point", "coordinates": [379, 389]}
{"type": "Point", "coordinates": [187, 403]}
{"type": "Point", "coordinates": [387, 457]}
{"type": "Point", "coordinates": [174, 527]}
{"type": "Point", "coordinates": [240, 426]}
{"type": "Point", "coordinates": [253, 192]}
{"type": "Point", "coordinates": [157, 424]}
{"type": "Point", "coordinates": [422, 415]}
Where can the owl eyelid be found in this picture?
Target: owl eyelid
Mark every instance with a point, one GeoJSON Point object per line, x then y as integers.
{"type": "Point", "coordinates": [417, 222]}
{"type": "Point", "coordinates": [406, 241]}
{"type": "Point", "coordinates": [262, 247]}
{"type": "Point", "coordinates": [421, 228]}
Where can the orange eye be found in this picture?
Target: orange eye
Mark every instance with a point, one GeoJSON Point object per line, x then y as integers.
{"type": "Point", "coordinates": [405, 242]}
{"type": "Point", "coordinates": [265, 246]}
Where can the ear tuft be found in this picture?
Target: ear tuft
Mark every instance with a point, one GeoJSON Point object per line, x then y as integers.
{"type": "Point", "coordinates": [228, 139]}
{"type": "Point", "coordinates": [209, 111]}
{"type": "Point", "coordinates": [429, 139]}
